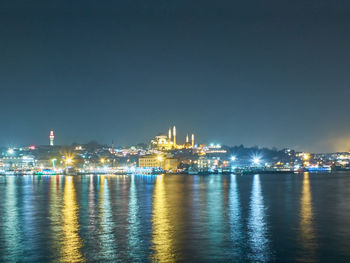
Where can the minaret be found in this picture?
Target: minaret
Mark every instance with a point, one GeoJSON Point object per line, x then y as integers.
{"type": "Point", "coordinates": [169, 134]}
{"type": "Point", "coordinates": [52, 137]}
{"type": "Point", "coordinates": [174, 135]}
{"type": "Point", "coordinates": [187, 140]}
{"type": "Point", "coordinates": [192, 140]}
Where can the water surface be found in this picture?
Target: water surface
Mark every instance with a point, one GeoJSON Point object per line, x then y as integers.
{"type": "Point", "coordinates": [175, 218]}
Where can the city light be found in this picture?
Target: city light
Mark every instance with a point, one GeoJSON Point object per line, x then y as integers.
{"type": "Point", "coordinates": [162, 156]}
{"type": "Point", "coordinates": [306, 156]}
{"type": "Point", "coordinates": [256, 160]}
{"type": "Point", "coordinates": [168, 131]}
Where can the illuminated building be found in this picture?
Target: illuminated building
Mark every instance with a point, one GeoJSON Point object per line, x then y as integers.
{"type": "Point", "coordinates": [213, 149]}
{"type": "Point", "coordinates": [163, 142]}
{"type": "Point", "coordinates": [203, 163]}
{"type": "Point", "coordinates": [149, 161]}
{"type": "Point", "coordinates": [170, 164]}
{"type": "Point", "coordinates": [52, 137]}
{"type": "Point", "coordinates": [18, 162]}
{"type": "Point", "coordinates": [158, 161]}
{"type": "Point", "coordinates": [210, 163]}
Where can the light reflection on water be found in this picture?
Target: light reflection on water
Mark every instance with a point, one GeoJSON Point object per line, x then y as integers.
{"type": "Point", "coordinates": [257, 225]}
{"type": "Point", "coordinates": [235, 220]}
{"type": "Point", "coordinates": [307, 232]}
{"type": "Point", "coordinates": [134, 239]}
{"type": "Point", "coordinates": [174, 218]}
{"type": "Point", "coordinates": [162, 238]}
{"type": "Point", "coordinates": [215, 225]}
{"type": "Point", "coordinates": [55, 211]}
{"type": "Point", "coordinates": [108, 243]}
{"type": "Point", "coordinates": [10, 226]}
{"type": "Point", "coordinates": [71, 244]}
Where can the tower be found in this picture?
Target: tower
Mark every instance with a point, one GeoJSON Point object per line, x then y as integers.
{"type": "Point", "coordinates": [192, 140]}
{"type": "Point", "coordinates": [187, 140]}
{"type": "Point", "coordinates": [174, 135]}
{"type": "Point", "coordinates": [52, 137]}
{"type": "Point", "coordinates": [169, 134]}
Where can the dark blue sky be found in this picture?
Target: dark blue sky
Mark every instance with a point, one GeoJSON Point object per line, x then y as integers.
{"type": "Point", "coordinates": [267, 73]}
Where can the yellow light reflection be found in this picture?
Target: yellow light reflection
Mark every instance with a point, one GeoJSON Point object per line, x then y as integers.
{"type": "Point", "coordinates": [71, 251]}
{"type": "Point", "coordinates": [306, 218]}
{"type": "Point", "coordinates": [162, 238]}
{"type": "Point", "coordinates": [55, 212]}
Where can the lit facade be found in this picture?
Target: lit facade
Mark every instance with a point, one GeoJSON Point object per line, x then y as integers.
{"type": "Point", "coordinates": [157, 161]}
{"type": "Point", "coordinates": [149, 161]}
{"type": "Point", "coordinates": [18, 162]}
{"type": "Point", "coordinates": [164, 142]}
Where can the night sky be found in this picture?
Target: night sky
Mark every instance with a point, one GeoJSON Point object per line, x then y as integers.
{"type": "Point", "coordinates": [266, 73]}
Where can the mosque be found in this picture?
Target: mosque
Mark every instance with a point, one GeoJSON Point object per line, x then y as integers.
{"type": "Point", "coordinates": [168, 142]}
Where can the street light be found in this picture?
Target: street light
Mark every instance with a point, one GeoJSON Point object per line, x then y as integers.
{"type": "Point", "coordinates": [233, 158]}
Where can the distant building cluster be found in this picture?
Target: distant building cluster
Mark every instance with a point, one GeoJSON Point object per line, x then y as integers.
{"type": "Point", "coordinates": [164, 154]}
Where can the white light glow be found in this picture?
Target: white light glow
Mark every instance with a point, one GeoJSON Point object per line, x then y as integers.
{"type": "Point", "coordinates": [256, 160]}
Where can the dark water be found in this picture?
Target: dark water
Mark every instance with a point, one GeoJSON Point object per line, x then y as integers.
{"type": "Point", "coordinates": [255, 218]}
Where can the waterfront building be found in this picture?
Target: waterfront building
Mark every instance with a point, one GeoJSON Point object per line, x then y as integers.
{"type": "Point", "coordinates": [170, 164]}
{"type": "Point", "coordinates": [150, 161]}
{"type": "Point", "coordinates": [203, 163]}
{"type": "Point", "coordinates": [18, 162]}
{"type": "Point", "coordinates": [158, 161]}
